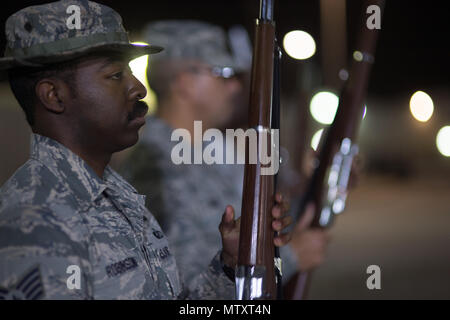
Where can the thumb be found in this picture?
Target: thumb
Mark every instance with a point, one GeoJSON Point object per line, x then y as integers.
{"type": "Point", "coordinates": [227, 223]}
{"type": "Point", "coordinates": [307, 218]}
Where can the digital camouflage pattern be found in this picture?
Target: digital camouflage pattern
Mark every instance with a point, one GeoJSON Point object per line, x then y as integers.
{"type": "Point", "coordinates": [190, 39]}
{"type": "Point", "coordinates": [56, 212]}
{"type": "Point", "coordinates": [189, 199]}
{"type": "Point", "coordinates": [43, 34]}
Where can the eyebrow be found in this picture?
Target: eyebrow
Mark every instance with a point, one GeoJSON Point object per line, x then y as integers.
{"type": "Point", "coordinates": [111, 60]}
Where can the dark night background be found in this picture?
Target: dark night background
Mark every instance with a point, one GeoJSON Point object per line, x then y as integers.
{"type": "Point", "coordinates": [399, 215]}
{"type": "Point", "coordinates": [413, 49]}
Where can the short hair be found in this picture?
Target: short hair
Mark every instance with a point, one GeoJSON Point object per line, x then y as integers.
{"type": "Point", "coordinates": [23, 83]}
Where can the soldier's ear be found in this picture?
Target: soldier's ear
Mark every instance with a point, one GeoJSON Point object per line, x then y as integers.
{"type": "Point", "coordinates": [51, 93]}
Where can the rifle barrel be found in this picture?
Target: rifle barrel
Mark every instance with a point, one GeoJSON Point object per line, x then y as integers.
{"type": "Point", "coordinates": [266, 10]}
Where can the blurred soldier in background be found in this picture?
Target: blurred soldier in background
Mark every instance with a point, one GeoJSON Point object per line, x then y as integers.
{"type": "Point", "coordinates": [194, 79]}
{"type": "Point", "coordinates": [71, 227]}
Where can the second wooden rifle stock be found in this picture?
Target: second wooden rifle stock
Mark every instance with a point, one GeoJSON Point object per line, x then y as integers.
{"type": "Point", "coordinates": [328, 185]}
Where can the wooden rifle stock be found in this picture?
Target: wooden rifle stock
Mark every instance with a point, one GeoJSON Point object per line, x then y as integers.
{"type": "Point", "coordinates": [256, 272]}
{"type": "Point", "coordinates": [328, 185]}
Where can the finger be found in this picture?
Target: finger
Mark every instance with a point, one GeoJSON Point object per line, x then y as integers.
{"type": "Point", "coordinates": [282, 223]}
{"type": "Point", "coordinates": [307, 218]}
{"type": "Point", "coordinates": [278, 198]}
{"type": "Point", "coordinates": [237, 223]}
{"type": "Point", "coordinates": [276, 211]}
{"type": "Point", "coordinates": [229, 214]}
{"type": "Point", "coordinates": [281, 202]}
{"type": "Point", "coordinates": [227, 222]}
{"type": "Point", "coordinates": [282, 239]}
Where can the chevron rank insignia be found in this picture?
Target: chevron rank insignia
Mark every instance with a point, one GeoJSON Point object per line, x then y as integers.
{"type": "Point", "coordinates": [29, 287]}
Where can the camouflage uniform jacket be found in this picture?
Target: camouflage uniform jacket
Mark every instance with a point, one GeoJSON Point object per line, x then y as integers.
{"type": "Point", "coordinates": [55, 212]}
{"type": "Point", "coordinates": [188, 199]}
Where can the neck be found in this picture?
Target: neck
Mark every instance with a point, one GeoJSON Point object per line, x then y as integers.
{"type": "Point", "coordinates": [96, 158]}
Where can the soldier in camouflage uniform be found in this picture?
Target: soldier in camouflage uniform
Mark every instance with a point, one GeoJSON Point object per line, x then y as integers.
{"type": "Point", "coordinates": [199, 86]}
{"type": "Point", "coordinates": [71, 227]}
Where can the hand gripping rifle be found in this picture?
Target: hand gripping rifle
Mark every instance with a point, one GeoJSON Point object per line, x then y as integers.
{"type": "Point", "coordinates": [328, 185]}
{"type": "Point", "coordinates": [258, 273]}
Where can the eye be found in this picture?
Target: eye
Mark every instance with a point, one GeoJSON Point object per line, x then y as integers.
{"type": "Point", "coordinates": [117, 75]}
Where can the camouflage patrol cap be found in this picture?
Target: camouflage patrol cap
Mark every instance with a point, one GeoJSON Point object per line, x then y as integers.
{"type": "Point", "coordinates": [63, 30]}
{"type": "Point", "coordinates": [191, 39]}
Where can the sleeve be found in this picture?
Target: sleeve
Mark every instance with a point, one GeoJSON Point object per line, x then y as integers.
{"type": "Point", "coordinates": [39, 260]}
{"type": "Point", "coordinates": [213, 284]}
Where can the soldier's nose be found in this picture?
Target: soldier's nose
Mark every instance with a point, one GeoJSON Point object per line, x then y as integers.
{"type": "Point", "coordinates": [138, 90]}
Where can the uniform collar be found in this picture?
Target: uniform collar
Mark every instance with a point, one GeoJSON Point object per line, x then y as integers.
{"type": "Point", "coordinates": [75, 173]}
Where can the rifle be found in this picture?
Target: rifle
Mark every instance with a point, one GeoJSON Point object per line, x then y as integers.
{"type": "Point", "coordinates": [327, 188]}
{"type": "Point", "coordinates": [258, 273]}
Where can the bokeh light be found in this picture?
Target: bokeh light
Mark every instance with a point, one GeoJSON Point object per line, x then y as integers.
{"type": "Point", "coordinates": [443, 141]}
{"type": "Point", "coordinates": [343, 74]}
{"type": "Point", "coordinates": [323, 107]}
{"type": "Point", "coordinates": [139, 68]}
{"type": "Point", "coordinates": [358, 56]}
{"type": "Point", "coordinates": [299, 45]}
{"type": "Point", "coordinates": [421, 106]}
{"type": "Point", "coordinates": [316, 139]}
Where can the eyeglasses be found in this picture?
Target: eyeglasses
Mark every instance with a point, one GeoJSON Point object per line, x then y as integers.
{"type": "Point", "coordinates": [223, 72]}
{"type": "Point", "coordinates": [218, 72]}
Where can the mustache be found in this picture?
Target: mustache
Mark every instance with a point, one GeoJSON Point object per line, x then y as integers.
{"type": "Point", "coordinates": [139, 109]}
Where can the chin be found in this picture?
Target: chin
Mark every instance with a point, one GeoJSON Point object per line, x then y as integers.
{"type": "Point", "coordinates": [127, 141]}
